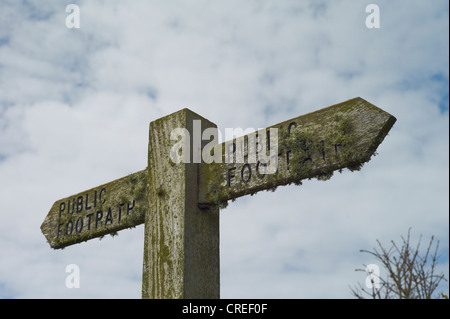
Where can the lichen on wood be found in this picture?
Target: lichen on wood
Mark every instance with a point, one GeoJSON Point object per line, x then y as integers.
{"type": "Point", "coordinates": [313, 145]}
{"type": "Point", "coordinates": [96, 212]}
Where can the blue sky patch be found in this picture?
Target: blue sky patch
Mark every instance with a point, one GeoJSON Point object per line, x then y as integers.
{"type": "Point", "coordinates": [442, 80]}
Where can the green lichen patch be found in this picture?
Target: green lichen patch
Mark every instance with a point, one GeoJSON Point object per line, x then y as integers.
{"type": "Point", "coordinates": [345, 141]}
{"type": "Point", "coordinates": [304, 149]}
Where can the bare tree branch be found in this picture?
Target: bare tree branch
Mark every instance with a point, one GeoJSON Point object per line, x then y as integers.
{"type": "Point", "coordinates": [408, 274]}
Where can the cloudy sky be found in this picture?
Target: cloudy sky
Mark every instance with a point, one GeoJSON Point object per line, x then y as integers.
{"type": "Point", "coordinates": [75, 105]}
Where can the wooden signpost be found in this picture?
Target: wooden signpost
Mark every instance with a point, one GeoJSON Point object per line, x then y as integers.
{"type": "Point", "coordinates": [179, 201]}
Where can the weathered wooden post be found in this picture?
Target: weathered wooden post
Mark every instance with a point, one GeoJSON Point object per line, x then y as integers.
{"type": "Point", "coordinates": [178, 196]}
{"type": "Point", "coordinates": [181, 252]}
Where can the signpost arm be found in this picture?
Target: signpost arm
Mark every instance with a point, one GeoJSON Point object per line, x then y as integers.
{"type": "Point", "coordinates": [181, 249]}
{"type": "Point", "coordinates": [314, 145]}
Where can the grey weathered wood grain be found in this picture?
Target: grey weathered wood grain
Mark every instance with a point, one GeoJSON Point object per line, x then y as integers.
{"type": "Point", "coordinates": [181, 248]}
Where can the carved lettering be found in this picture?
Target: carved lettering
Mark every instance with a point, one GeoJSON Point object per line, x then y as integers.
{"type": "Point", "coordinates": [87, 201]}
{"type": "Point", "coordinates": [79, 225]}
{"type": "Point", "coordinates": [230, 175]}
{"type": "Point", "coordinates": [291, 125]}
{"type": "Point", "coordinates": [246, 173]}
{"type": "Point", "coordinates": [79, 204]}
{"type": "Point", "coordinates": [98, 217]}
{"type": "Point", "coordinates": [106, 216]}
{"type": "Point", "coordinates": [69, 225]}
{"type": "Point", "coordinates": [130, 208]}
{"type": "Point", "coordinates": [120, 211]}
{"type": "Point", "coordinates": [306, 153]}
{"type": "Point", "coordinates": [258, 173]}
{"type": "Point", "coordinates": [89, 220]}
{"type": "Point", "coordinates": [62, 207]}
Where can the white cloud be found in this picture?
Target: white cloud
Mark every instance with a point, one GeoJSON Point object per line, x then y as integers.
{"type": "Point", "coordinates": [75, 107]}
